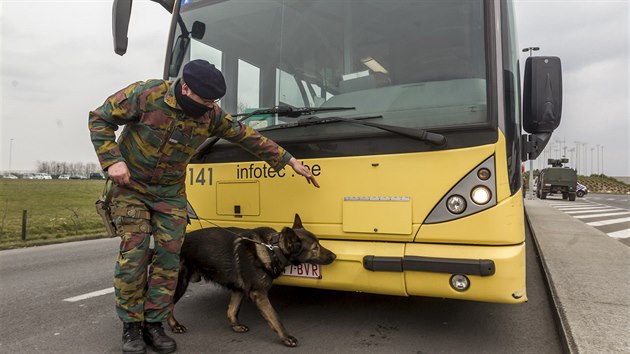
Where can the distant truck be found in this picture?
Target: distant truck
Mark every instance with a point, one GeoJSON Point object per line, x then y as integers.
{"type": "Point", "coordinates": [557, 179]}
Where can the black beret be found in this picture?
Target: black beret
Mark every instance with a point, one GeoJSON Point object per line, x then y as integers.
{"type": "Point", "coordinates": [204, 79]}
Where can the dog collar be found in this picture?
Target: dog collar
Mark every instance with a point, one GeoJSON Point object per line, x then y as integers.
{"type": "Point", "coordinates": [276, 251]}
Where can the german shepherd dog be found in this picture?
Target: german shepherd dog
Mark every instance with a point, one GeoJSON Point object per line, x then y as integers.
{"type": "Point", "coordinates": [246, 261]}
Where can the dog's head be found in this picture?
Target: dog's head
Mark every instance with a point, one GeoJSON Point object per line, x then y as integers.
{"type": "Point", "coordinates": [302, 246]}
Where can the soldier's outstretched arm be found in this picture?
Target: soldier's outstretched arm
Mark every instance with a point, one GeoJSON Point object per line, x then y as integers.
{"type": "Point", "coordinates": [303, 171]}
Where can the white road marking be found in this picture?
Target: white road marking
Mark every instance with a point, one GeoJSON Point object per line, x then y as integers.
{"type": "Point", "coordinates": [592, 211]}
{"type": "Point", "coordinates": [599, 215]}
{"type": "Point", "coordinates": [608, 222]}
{"type": "Point", "coordinates": [90, 295]}
{"type": "Point", "coordinates": [564, 206]}
{"type": "Point", "coordinates": [570, 204]}
{"type": "Point", "coordinates": [620, 234]}
{"type": "Point", "coordinates": [584, 208]}
{"type": "Point", "coordinates": [619, 215]}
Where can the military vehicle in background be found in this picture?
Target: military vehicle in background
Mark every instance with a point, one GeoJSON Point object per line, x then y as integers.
{"type": "Point", "coordinates": [557, 179]}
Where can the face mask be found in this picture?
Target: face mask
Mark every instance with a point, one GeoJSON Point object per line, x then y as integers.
{"type": "Point", "coordinates": [189, 106]}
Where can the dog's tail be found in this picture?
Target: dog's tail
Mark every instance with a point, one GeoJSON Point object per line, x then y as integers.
{"type": "Point", "coordinates": [187, 273]}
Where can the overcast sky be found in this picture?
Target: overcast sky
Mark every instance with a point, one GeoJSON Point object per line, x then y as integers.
{"type": "Point", "coordinates": [58, 64]}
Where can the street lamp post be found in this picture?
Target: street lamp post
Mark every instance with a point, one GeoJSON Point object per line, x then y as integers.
{"type": "Point", "coordinates": [10, 153]}
{"type": "Point", "coordinates": [580, 147]}
{"type": "Point", "coordinates": [577, 157]}
{"type": "Point", "coordinates": [592, 160]}
{"type": "Point", "coordinates": [530, 192]}
{"type": "Point", "coordinates": [530, 50]}
{"type": "Point", "coordinates": [585, 155]}
{"type": "Point", "coordinates": [598, 159]}
{"type": "Point", "coordinates": [602, 159]}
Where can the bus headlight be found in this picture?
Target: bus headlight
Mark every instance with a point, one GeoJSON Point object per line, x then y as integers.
{"type": "Point", "coordinates": [456, 204]}
{"type": "Point", "coordinates": [481, 195]}
{"type": "Point", "coordinates": [475, 192]}
{"type": "Point", "coordinates": [460, 282]}
{"type": "Point", "coordinates": [483, 174]}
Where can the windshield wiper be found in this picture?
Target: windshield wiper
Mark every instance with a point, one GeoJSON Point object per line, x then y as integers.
{"type": "Point", "coordinates": [281, 111]}
{"type": "Point", "coordinates": [293, 112]}
{"type": "Point", "coordinates": [413, 133]}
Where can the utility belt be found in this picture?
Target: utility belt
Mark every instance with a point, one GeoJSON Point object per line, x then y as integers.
{"type": "Point", "coordinates": [113, 217]}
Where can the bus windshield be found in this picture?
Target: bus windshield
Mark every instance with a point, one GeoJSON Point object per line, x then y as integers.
{"type": "Point", "coordinates": [417, 64]}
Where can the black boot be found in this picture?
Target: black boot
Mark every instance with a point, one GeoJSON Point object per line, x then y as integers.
{"type": "Point", "coordinates": [132, 342]}
{"type": "Point", "coordinates": [155, 337]}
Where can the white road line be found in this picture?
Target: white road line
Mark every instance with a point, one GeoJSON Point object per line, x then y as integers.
{"type": "Point", "coordinates": [599, 215]}
{"type": "Point", "coordinates": [608, 222]}
{"type": "Point", "coordinates": [572, 205]}
{"type": "Point", "coordinates": [567, 202]}
{"type": "Point", "coordinates": [584, 208]}
{"type": "Point", "coordinates": [89, 295]}
{"type": "Point", "coordinates": [620, 234]}
{"type": "Point", "coordinates": [592, 211]}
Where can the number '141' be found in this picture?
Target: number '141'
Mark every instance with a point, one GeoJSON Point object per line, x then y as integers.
{"type": "Point", "coordinates": [200, 176]}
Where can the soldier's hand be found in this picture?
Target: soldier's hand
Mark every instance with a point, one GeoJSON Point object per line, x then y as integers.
{"type": "Point", "coordinates": [119, 173]}
{"type": "Point", "coordinates": [303, 171]}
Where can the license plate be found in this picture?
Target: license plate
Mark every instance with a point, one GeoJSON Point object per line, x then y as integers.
{"type": "Point", "coordinates": [305, 270]}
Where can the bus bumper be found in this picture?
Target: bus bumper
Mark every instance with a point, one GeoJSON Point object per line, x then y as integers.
{"type": "Point", "coordinates": [495, 273]}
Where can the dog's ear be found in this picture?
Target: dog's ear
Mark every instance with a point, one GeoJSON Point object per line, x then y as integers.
{"type": "Point", "coordinates": [297, 222]}
{"type": "Point", "coordinates": [290, 240]}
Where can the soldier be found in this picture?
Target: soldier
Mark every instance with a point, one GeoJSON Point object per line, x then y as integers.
{"type": "Point", "coordinates": [164, 122]}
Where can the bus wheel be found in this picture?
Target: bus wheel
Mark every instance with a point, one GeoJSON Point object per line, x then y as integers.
{"type": "Point", "coordinates": [571, 196]}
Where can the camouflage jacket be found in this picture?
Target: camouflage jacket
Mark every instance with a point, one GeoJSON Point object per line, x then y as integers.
{"type": "Point", "coordinates": [159, 140]}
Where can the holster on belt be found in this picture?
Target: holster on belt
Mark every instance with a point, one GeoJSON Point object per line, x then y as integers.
{"type": "Point", "coordinates": [103, 208]}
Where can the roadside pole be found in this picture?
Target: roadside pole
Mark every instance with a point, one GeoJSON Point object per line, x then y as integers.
{"type": "Point", "coordinates": [530, 193]}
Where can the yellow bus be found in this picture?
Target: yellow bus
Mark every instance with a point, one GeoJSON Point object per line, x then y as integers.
{"type": "Point", "coordinates": [407, 112]}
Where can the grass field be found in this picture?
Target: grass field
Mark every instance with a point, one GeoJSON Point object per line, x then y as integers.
{"type": "Point", "coordinates": [63, 210]}
{"type": "Point", "coordinates": [55, 209]}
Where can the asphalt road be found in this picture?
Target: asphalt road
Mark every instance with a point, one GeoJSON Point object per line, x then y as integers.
{"type": "Point", "coordinates": [609, 213]}
{"type": "Point", "coordinates": [614, 200]}
{"type": "Point", "coordinates": [36, 319]}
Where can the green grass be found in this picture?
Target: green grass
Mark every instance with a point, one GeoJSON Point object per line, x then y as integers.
{"type": "Point", "coordinates": [56, 211]}
{"type": "Point", "coordinates": [63, 210]}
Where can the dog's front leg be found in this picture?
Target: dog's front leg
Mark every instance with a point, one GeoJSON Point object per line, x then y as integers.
{"type": "Point", "coordinates": [264, 306]}
{"type": "Point", "coordinates": [232, 311]}
{"type": "Point", "coordinates": [176, 327]}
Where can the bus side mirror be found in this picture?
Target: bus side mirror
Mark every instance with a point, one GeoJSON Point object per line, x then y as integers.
{"type": "Point", "coordinates": [542, 103]}
{"type": "Point", "coordinates": [542, 94]}
{"type": "Point", "coordinates": [121, 13]}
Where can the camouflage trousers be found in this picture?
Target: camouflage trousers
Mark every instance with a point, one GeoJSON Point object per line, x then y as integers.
{"type": "Point", "coordinates": [145, 281]}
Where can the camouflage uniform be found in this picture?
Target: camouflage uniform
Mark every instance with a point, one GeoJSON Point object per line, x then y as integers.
{"type": "Point", "coordinates": [157, 143]}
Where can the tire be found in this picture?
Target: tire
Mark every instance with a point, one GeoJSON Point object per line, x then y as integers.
{"type": "Point", "coordinates": [565, 195]}
{"type": "Point", "coordinates": [572, 197]}
{"type": "Point", "coordinates": [580, 194]}
{"type": "Point", "coordinates": [543, 195]}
